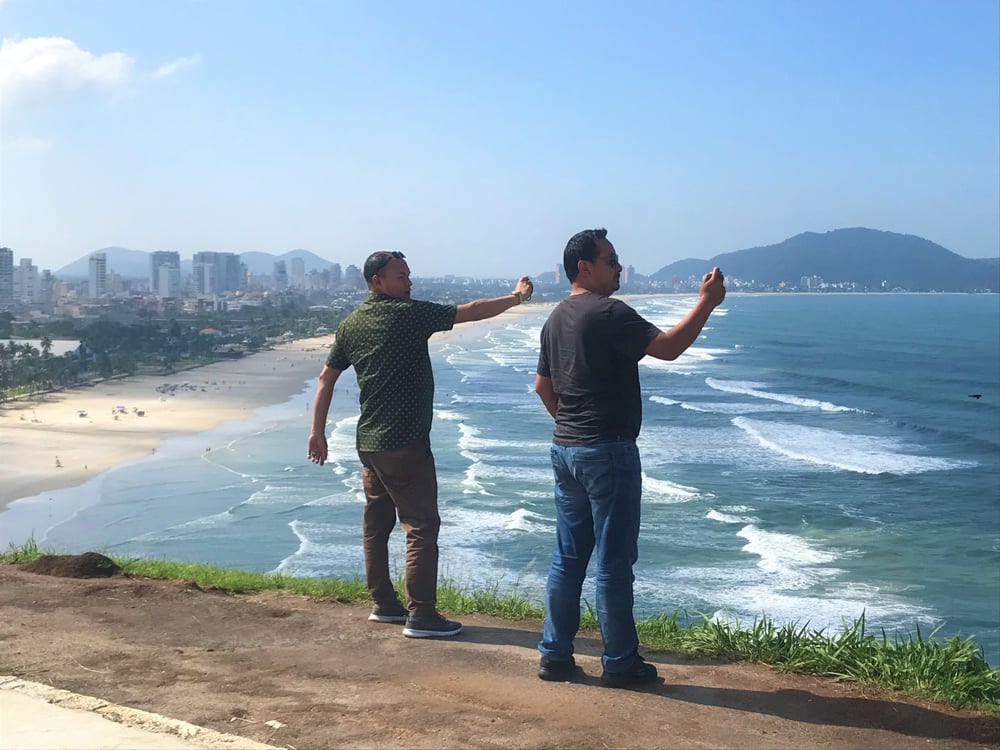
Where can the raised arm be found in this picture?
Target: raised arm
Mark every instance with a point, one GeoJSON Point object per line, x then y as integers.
{"type": "Point", "coordinates": [317, 451]}
{"type": "Point", "coordinates": [673, 343]}
{"type": "Point", "coordinates": [481, 309]}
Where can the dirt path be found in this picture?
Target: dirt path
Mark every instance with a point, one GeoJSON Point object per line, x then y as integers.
{"type": "Point", "coordinates": [231, 663]}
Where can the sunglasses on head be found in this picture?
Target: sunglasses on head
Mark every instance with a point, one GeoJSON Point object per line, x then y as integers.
{"type": "Point", "coordinates": [379, 265]}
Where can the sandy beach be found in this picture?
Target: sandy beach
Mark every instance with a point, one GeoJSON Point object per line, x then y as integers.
{"type": "Point", "coordinates": [62, 439]}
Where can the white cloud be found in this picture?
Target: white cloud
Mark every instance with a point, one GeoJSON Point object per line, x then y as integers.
{"type": "Point", "coordinates": [168, 69]}
{"type": "Point", "coordinates": [33, 70]}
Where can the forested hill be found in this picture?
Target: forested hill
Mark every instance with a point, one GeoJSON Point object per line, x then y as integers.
{"type": "Point", "coordinates": [871, 258]}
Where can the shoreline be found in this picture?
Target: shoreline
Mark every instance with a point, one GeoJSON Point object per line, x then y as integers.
{"type": "Point", "coordinates": [63, 439]}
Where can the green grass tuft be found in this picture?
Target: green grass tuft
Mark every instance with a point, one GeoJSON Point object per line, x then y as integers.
{"type": "Point", "coordinates": [21, 554]}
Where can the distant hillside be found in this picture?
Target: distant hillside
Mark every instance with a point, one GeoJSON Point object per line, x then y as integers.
{"type": "Point", "coordinates": [263, 263]}
{"type": "Point", "coordinates": [866, 256]}
{"type": "Point", "coordinates": [124, 262]}
{"type": "Point", "coordinates": [134, 264]}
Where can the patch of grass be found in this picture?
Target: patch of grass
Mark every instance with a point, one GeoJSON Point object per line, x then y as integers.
{"type": "Point", "coordinates": [24, 553]}
{"type": "Point", "coordinates": [243, 581]}
{"type": "Point", "coordinates": [508, 605]}
{"type": "Point", "coordinates": [953, 671]}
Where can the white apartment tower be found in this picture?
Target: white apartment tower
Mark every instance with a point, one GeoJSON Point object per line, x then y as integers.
{"type": "Point", "coordinates": [98, 275]}
{"type": "Point", "coordinates": [165, 274]}
{"type": "Point", "coordinates": [27, 288]}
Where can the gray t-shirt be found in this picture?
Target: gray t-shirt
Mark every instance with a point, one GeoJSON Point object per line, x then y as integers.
{"type": "Point", "coordinates": [590, 348]}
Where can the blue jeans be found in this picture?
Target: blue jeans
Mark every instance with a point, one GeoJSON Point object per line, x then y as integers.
{"type": "Point", "coordinates": [598, 489]}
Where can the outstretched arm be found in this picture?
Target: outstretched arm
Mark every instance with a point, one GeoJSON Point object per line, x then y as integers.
{"type": "Point", "coordinates": [317, 451]}
{"type": "Point", "coordinates": [481, 309]}
{"type": "Point", "coordinates": [673, 343]}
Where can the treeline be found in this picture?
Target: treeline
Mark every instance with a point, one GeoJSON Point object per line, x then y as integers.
{"type": "Point", "coordinates": [110, 348]}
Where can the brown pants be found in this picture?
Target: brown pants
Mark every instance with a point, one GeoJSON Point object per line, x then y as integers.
{"type": "Point", "coordinates": [402, 481]}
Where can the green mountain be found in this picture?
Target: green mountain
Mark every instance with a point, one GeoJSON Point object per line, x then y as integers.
{"type": "Point", "coordinates": [871, 258]}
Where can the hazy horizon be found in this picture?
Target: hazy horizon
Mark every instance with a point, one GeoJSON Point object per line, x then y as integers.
{"type": "Point", "coordinates": [470, 137]}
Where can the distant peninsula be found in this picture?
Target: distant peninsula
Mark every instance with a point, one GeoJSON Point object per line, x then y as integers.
{"type": "Point", "coordinates": [846, 260]}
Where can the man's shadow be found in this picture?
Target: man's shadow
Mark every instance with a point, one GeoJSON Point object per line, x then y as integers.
{"type": "Point", "coordinates": [862, 713]}
{"type": "Point", "coordinates": [794, 705]}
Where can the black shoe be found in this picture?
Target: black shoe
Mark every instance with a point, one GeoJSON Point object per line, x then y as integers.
{"type": "Point", "coordinates": [430, 626]}
{"type": "Point", "coordinates": [640, 673]}
{"type": "Point", "coordinates": [392, 612]}
{"type": "Point", "coordinates": [556, 670]}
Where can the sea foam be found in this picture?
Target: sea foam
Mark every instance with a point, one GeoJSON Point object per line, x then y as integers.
{"type": "Point", "coordinates": [864, 454]}
{"type": "Point", "coordinates": [749, 388]}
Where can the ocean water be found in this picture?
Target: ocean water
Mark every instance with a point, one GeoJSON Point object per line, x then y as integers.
{"type": "Point", "coordinates": [811, 457]}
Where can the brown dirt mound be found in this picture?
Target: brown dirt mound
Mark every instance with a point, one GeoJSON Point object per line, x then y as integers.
{"type": "Point", "coordinates": [87, 565]}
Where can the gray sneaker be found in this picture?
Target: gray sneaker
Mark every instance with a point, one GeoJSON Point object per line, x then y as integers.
{"type": "Point", "coordinates": [391, 612]}
{"type": "Point", "coordinates": [430, 626]}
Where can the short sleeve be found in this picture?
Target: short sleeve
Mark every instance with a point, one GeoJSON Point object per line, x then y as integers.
{"type": "Point", "coordinates": [337, 359]}
{"type": "Point", "coordinates": [632, 332]}
{"type": "Point", "coordinates": [435, 317]}
{"type": "Point", "coordinates": [543, 354]}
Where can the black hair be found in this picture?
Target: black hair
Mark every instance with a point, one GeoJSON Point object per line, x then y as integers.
{"type": "Point", "coordinates": [377, 261]}
{"type": "Point", "coordinates": [581, 246]}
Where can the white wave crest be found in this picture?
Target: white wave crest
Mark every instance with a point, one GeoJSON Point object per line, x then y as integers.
{"type": "Point", "coordinates": [796, 561]}
{"type": "Point", "coordinates": [663, 400]}
{"type": "Point", "coordinates": [749, 388]}
{"type": "Point", "coordinates": [525, 520]}
{"type": "Point", "coordinates": [863, 454]}
{"type": "Point", "coordinates": [715, 515]}
{"type": "Point", "coordinates": [663, 491]}
{"type": "Point", "coordinates": [470, 440]}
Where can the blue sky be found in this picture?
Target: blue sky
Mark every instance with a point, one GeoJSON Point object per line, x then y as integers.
{"type": "Point", "coordinates": [477, 137]}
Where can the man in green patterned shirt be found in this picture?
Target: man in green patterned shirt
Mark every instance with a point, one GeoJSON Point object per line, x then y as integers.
{"type": "Point", "coordinates": [386, 341]}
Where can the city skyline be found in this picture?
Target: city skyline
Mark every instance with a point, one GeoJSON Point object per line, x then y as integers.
{"type": "Point", "coordinates": [472, 137]}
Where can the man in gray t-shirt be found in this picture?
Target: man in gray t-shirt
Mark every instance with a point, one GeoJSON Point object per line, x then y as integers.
{"type": "Point", "coordinates": [588, 379]}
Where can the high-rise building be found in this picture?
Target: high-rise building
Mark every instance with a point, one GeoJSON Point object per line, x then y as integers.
{"type": "Point", "coordinates": [165, 274]}
{"type": "Point", "coordinates": [26, 284]}
{"type": "Point", "coordinates": [6, 276]}
{"type": "Point", "coordinates": [47, 287]}
{"type": "Point", "coordinates": [98, 275]}
{"type": "Point", "coordinates": [280, 276]}
{"type": "Point", "coordinates": [298, 276]}
{"type": "Point", "coordinates": [217, 273]}
{"type": "Point", "coordinates": [353, 277]}
{"type": "Point", "coordinates": [559, 270]}
{"type": "Point", "coordinates": [336, 275]}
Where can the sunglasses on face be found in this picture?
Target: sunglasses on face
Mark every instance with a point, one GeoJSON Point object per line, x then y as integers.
{"type": "Point", "coordinates": [611, 260]}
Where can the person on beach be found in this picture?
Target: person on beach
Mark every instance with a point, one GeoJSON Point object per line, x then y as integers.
{"type": "Point", "coordinates": [588, 380]}
{"type": "Point", "coordinates": [386, 341]}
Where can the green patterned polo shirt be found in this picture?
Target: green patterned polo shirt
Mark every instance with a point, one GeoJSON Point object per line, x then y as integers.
{"type": "Point", "coordinates": [386, 341]}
